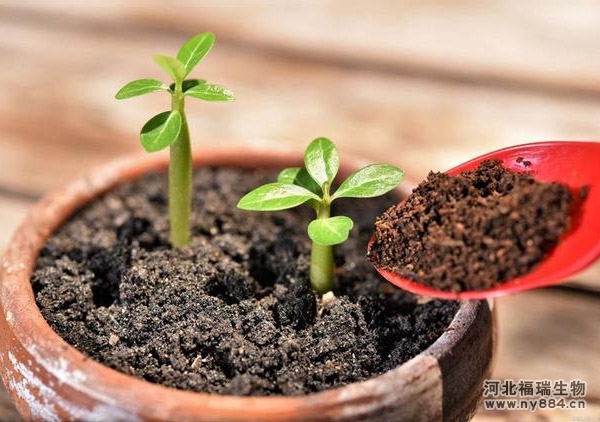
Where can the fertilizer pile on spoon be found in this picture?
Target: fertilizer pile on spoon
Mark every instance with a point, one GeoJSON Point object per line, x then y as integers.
{"type": "Point", "coordinates": [473, 231]}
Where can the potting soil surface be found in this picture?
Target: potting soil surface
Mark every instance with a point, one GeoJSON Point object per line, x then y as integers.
{"type": "Point", "coordinates": [232, 312]}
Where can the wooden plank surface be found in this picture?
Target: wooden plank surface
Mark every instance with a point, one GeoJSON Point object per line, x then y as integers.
{"type": "Point", "coordinates": [548, 334]}
{"type": "Point", "coordinates": [539, 44]}
{"type": "Point", "coordinates": [12, 212]}
{"type": "Point", "coordinates": [8, 413]}
{"type": "Point", "coordinates": [423, 84]}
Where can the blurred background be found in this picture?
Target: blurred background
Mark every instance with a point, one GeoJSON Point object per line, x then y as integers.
{"type": "Point", "coordinates": [425, 84]}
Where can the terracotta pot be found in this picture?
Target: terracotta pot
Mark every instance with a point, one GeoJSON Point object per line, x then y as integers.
{"type": "Point", "coordinates": [50, 380]}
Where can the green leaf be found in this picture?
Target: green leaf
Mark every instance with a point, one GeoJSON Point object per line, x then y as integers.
{"type": "Point", "coordinates": [187, 84]}
{"type": "Point", "coordinates": [140, 87]}
{"type": "Point", "coordinates": [322, 160]}
{"type": "Point", "coordinates": [195, 49]}
{"type": "Point", "coordinates": [370, 181]}
{"type": "Point", "coordinates": [288, 175]}
{"type": "Point", "coordinates": [172, 66]}
{"type": "Point", "coordinates": [161, 130]}
{"type": "Point", "coordinates": [299, 176]}
{"type": "Point", "coordinates": [190, 83]}
{"type": "Point", "coordinates": [330, 231]}
{"type": "Point", "coordinates": [274, 197]}
{"type": "Point", "coordinates": [210, 92]}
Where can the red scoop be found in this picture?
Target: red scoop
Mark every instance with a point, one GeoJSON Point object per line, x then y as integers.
{"type": "Point", "coordinates": [574, 164]}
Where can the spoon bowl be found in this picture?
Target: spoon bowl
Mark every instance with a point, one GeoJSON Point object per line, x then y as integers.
{"type": "Point", "coordinates": [574, 164]}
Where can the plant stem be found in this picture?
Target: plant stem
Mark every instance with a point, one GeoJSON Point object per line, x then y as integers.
{"type": "Point", "coordinates": [321, 268]}
{"type": "Point", "coordinates": [180, 177]}
{"type": "Point", "coordinates": [321, 256]}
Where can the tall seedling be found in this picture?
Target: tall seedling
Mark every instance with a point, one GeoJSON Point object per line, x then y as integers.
{"type": "Point", "coordinates": [170, 128]}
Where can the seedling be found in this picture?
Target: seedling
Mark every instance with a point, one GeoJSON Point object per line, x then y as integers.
{"type": "Point", "coordinates": [170, 128]}
{"type": "Point", "coordinates": [312, 185]}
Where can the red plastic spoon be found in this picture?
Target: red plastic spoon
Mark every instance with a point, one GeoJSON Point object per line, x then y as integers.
{"type": "Point", "coordinates": [574, 164]}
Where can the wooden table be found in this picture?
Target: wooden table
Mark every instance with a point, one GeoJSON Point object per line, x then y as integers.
{"type": "Point", "coordinates": [425, 84]}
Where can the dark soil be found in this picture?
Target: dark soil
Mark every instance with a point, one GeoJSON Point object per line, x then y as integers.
{"type": "Point", "coordinates": [232, 312]}
{"type": "Point", "coordinates": [473, 231]}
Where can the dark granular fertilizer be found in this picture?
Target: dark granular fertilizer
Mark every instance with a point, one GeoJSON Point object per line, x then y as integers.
{"type": "Point", "coordinates": [473, 231]}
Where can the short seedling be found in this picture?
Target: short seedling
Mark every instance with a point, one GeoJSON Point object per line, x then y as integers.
{"type": "Point", "coordinates": [170, 128]}
{"type": "Point", "coordinates": [312, 185]}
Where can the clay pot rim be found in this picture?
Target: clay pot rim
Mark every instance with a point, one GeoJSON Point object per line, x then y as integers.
{"type": "Point", "coordinates": [73, 368]}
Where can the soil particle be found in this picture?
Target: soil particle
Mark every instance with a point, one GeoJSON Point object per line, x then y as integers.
{"type": "Point", "coordinates": [231, 313]}
{"type": "Point", "coordinates": [473, 231]}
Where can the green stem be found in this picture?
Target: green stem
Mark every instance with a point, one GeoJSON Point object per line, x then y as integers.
{"type": "Point", "coordinates": [321, 256]}
{"type": "Point", "coordinates": [321, 268]}
{"type": "Point", "coordinates": [180, 177]}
